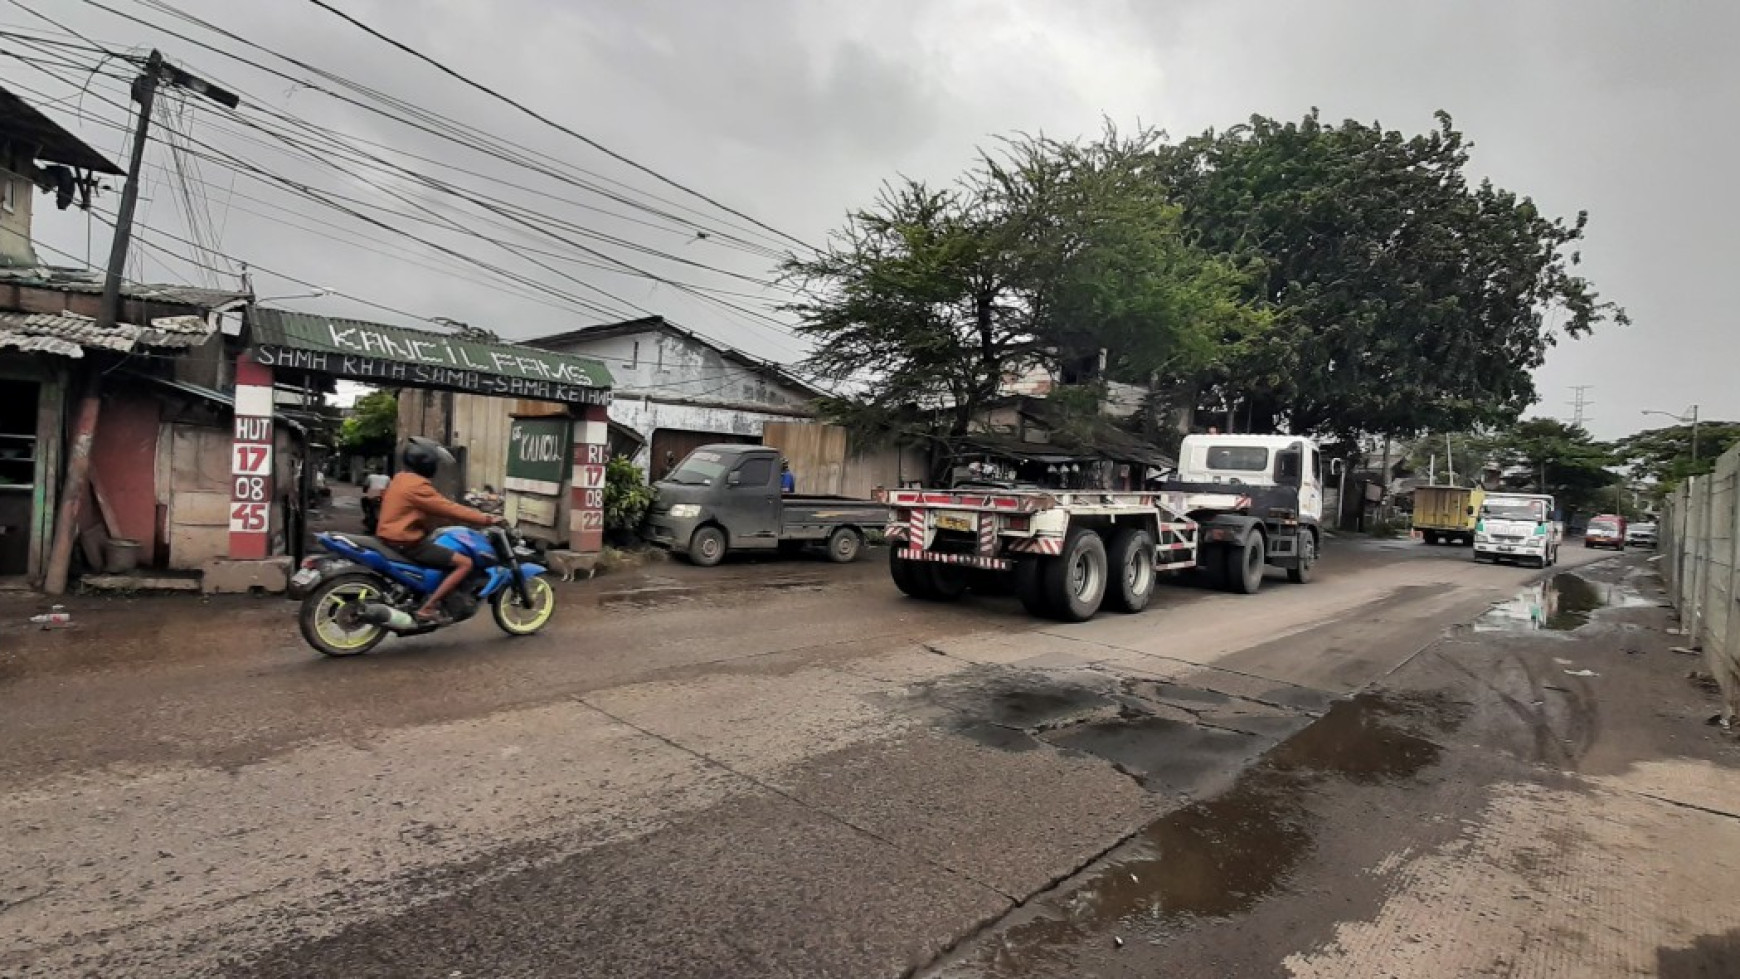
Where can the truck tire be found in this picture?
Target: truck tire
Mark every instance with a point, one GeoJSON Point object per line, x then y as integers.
{"type": "Point", "coordinates": [1130, 560]}
{"type": "Point", "coordinates": [707, 547]}
{"type": "Point", "coordinates": [948, 582]}
{"type": "Point", "coordinates": [1030, 586]}
{"type": "Point", "coordinates": [1211, 565]}
{"type": "Point", "coordinates": [844, 545]}
{"type": "Point", "coordinates": [1244, 564]}
{"type": "Point", "coordinates": [1303, 571]}
{"type": "Point", "coordinates": [1075, 582]}
{"type": "Point", "coordinates": [909, 576]}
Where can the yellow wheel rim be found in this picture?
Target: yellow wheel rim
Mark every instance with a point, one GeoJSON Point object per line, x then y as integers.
{"type": "Point", "coordinates": [521, 618]}
{"type": "Point", "coordinates": [327, 618]}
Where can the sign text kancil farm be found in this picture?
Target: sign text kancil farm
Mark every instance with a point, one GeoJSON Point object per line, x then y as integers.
{"type": "Point", "coordinates": [437, 364]}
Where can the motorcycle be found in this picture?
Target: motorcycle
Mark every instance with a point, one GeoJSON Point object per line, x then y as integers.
{"type": "Point", "coordinates": [362, 591]}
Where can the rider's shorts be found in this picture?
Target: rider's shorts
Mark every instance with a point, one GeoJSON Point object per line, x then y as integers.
{"type": "Point", "coordinates": [429, 554]}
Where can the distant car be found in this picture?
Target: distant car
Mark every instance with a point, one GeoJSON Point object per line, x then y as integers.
{"type": "Point", "coordinates": [1641, 535]}
{"type": "Point", "coordinates": [1605, 530]}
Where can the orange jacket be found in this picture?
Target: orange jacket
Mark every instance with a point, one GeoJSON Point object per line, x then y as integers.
{"type": "Point", "coordinates": [411, 504]}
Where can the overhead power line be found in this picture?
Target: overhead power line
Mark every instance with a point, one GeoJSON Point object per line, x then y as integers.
{"type": "Point", "coordinates": [600, 147]}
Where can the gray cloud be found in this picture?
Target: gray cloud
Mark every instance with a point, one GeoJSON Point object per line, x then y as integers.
{"type": "Point", "coordinates": [794, 110]}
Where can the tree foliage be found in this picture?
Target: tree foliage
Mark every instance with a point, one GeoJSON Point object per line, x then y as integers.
{"type": "Point", "coordinates": [626, 496]}
{"type": "Point", "coordinates": [1042, 255]}
{"type": "Point", "coordinates": [1550, 456]}
{"type": "Point", "coordinates": [372, 427]}
{"type": "Point", "coordinates": [1405, 298]}
{"type": "Point", "coordinates": [1664, 455]}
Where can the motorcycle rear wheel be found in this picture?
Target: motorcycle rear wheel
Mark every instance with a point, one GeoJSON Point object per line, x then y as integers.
{"type": "Point", "coordinates": [516, 618]}
{"type": "Point", "coordinates": [327, 617]}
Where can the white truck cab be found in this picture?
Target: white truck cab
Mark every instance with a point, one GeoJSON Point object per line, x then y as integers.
{"type": "Point", "coordinates": [1261, 462]}
{"type": "Point", "coordinates": [1520, 527]}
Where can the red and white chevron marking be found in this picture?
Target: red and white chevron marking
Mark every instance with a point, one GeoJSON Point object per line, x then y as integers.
{"type": "Point", "coordinates": [1038, 545]}
{"type": "Point", "coordinates": [970, 560]}
{"type": "Point", "coordinates": [894, 531]}
{"type": "Point", "coordinates": [987, 535]}
{"type": "Point", "coordinates": [915, 534]}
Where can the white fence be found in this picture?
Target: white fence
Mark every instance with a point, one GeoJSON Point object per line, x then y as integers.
{"type": "Point", "coordinates": [1700, 561]}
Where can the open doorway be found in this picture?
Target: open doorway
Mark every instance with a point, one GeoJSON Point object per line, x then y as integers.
{"type": "Point", "coordinates": [18, 473]}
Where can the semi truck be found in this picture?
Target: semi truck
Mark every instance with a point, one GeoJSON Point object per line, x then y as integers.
{"type": "Point", "coordinates": [725, 498]}
{"type": "Point", "coordinates": [1447, 514]}
{"type": "Point", "coordinates": [1236, 506]}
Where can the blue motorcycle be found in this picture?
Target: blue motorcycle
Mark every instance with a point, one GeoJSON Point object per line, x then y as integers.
{"type": "Point", "coordinates": [362, 591]}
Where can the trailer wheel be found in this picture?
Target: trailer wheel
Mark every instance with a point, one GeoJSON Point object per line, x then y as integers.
{"type": "Point", "coordinates": [844, 544]}
{"type": "Point", "coordinates": [1075, 582]}
{"type": "Point", "coordinates": [1030, 586]}
{"type": "Point", "coordinates": [707, 547]}
{"type": "Point", "coordinates": [909, 576]}
{"type": "Point", "coordinates": [1244, 565]}
{"type": "Point", "coordinates": [948, 582]}
{"type": "Point", "coordinates": [1300, 573]}
{"type": "Point", "coordinates": [1131, 559]}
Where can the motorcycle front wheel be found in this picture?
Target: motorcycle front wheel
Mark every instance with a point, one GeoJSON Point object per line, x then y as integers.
{"type": "Point", "coordinates": [329, 619]}
{"type": "Point", "coordinates": [515, 617]}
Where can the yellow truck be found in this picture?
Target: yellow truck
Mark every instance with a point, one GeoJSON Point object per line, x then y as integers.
{"type": "Point", "coordinates": [1447, 514]}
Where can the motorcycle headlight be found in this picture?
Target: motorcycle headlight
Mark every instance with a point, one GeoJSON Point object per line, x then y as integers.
{"type": "Point", "coordinates": [683, 511]}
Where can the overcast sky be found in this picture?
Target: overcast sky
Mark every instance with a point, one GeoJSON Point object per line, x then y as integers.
{"type": "Point", "coordinates": [792, 111]}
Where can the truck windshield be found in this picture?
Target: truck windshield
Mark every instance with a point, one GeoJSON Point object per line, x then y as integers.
{"type": "Point", "coordinates": [699, 469]}
{"type": "Point", "coordinates": [1515, 509]}
{"type": "Point", "coordinates": [1238, 458]}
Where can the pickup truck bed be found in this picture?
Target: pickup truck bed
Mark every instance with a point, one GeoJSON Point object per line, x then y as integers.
{"type": "Point", "coordinates": [807, 518]}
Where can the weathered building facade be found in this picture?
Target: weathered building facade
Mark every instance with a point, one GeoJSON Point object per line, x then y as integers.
{"type": "Point", "coordinates": [676, 390]}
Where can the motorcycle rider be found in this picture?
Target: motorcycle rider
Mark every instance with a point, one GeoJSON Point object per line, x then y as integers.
{"type": "Point", "coordinates": [410, 510]}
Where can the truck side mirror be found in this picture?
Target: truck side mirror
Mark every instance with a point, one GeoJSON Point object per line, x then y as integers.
{"type": "Point", "coordinates": [733, 478]}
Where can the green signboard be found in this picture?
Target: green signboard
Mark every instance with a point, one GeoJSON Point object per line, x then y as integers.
{"type": "Point", "coordinates": [538, 458]}
{"type": "Point", "coordinates": [393, 356]}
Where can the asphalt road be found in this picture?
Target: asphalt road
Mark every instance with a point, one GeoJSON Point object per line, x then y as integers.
{"type": "Point", "coordinates": [764, 769]}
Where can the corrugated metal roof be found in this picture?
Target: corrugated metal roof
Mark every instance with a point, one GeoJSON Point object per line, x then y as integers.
{"type": "Point", "coordinates": [52, 144]}
{"type": "Point", "coordinates": [91, 283]}
{"type": "Point", "coordinates": [69, 334]}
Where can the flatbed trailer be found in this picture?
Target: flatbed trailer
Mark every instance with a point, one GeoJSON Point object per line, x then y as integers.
{"type": "Point", "coordinates": [1068, 553]}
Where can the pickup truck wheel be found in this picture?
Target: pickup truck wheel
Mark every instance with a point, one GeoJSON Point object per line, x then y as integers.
{"type": "Point", "coordinates": [1301, 573]}
{"type": "Point", "coordinates": [1244, 565]}
{"type": "Point", "coordinates": [844, 544]}
{"type": "Point", "coordinates": [707, 547]}
{"type": "Point", "coordinates": [1075, 582]}
{"type": "Point", "coordinates": [1131, 560]}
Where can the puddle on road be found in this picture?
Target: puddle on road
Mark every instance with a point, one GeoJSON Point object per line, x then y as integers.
{"type": "Point", "coordinates": [1212, 859]}
{"type": "Point", "coordinates": [1559, 604]}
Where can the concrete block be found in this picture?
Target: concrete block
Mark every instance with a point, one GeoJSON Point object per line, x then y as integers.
{"type": "Point", "coordinates": [227, 577]}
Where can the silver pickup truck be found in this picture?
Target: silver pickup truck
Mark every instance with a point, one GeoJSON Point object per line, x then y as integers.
{"type": "Point", "coordinates": [727, 498]}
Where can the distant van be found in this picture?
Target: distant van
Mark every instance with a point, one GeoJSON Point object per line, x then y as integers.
{"type": "Point", "coordinates": [1606, 530]}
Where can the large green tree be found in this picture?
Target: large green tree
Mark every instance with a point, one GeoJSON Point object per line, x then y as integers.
{"type": "Point", "coordinates": [1664, 455]}
{"type": "Point", "coordinates": [1407, 297]}
{"type": "Point", "coordinates": [1044, 254]}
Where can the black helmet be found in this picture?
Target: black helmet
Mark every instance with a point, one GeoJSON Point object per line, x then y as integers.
{"type": "Point", "coordinates": [424, 457]}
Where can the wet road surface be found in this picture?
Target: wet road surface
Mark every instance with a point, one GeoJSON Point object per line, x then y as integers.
{"type": "Point", "coordinates": [771, 768]}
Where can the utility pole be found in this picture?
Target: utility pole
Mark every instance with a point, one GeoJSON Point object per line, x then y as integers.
{"type": "Point", "coordinates": [78, 469]}
{"type": "Point", "coordinates": [1694, 436]}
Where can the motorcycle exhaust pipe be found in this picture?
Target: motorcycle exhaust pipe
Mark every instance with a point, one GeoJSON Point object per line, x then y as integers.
{"type": "Point", "coordinates": [387, 617]}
